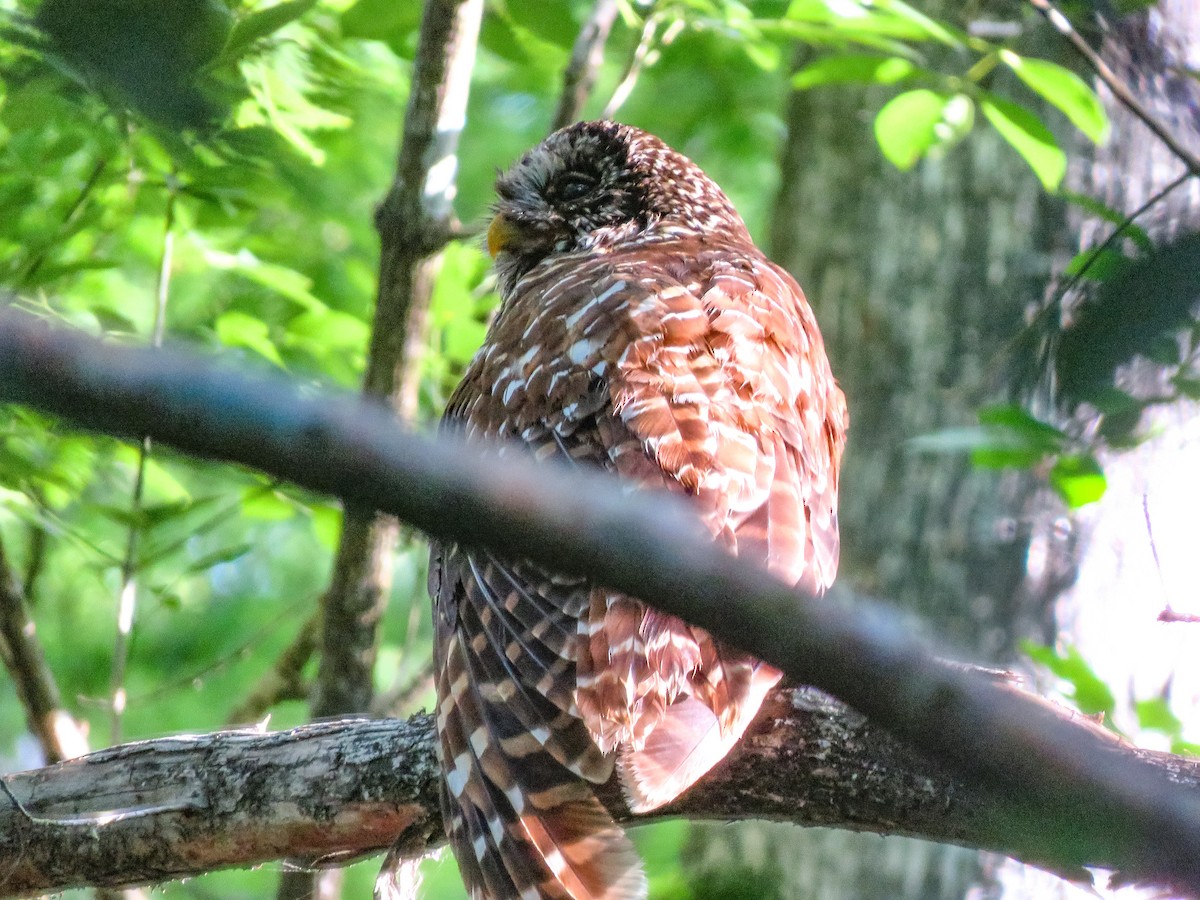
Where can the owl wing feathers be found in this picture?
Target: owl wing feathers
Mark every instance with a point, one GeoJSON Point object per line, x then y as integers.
{"type": "Point", "coordinates": [685, 368]}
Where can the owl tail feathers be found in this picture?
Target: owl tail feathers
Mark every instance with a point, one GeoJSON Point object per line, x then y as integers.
{"type": "Point", "coordinates": [587, 855]}
{"type": "Point", "coordinates": [687, 742]}
{"type": "Point", "coordinates": [571, 851]}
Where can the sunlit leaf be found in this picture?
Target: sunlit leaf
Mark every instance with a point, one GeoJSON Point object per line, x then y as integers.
{"type": "Point", "coordinates": [1079, 480]}
{"type": "Point", "coordinates": [266, 506]}
{"type": "Point", "coordinates": [261, 23]}
{"type": "Point", "coordinates": [849, 68]}
{"type": "Point", "coordinates": [906, 127]}
{"type": "Point", "coordinates": [1156, 715]}
{"type": "Point", "coordinates": [238, 329]}
{"type": "Point", "coordinates": [933, 29]}
{"type": "Point", "coordinates": [1027, 135]}
{"type": "Point", "coordinates": [1088, 690]}
{"type": "Point", "coordinates": [1065, 90]}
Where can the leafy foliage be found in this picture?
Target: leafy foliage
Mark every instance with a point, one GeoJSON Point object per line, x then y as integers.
{"type": "Point", "coordinates": [1010, 437]}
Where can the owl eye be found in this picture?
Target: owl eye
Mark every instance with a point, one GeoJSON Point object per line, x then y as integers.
{"type": "Point", "coordinates": [574, 186]}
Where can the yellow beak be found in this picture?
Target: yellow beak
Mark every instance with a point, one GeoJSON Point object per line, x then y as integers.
{"type": "Point", "coordinates": [502, 233]}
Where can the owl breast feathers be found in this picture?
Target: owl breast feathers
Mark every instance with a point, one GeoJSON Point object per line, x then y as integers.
{"type": "Point", "coordinates": [641, 332]}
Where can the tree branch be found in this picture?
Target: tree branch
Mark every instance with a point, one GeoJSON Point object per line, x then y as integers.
{"type": "Point", "coordinates": [586, 56]}
{"type": "Point", "coordinates": [1120, 90]}
{"type": "Point", "coordinates": [333, 791]}
{"type": "Point", "coordinates": [1083, 796]}
{"type": "Point", "coordinates": [55, 729]}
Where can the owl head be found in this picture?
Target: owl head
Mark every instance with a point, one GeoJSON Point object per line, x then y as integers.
{"type": "Point", "coordinates": [595, 186]}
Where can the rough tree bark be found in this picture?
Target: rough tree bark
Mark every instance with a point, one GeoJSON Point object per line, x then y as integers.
{"type": "Point", "coordinates": [332, 791]}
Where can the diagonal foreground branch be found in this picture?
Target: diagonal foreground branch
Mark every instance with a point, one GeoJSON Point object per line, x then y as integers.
{"type": "Point", "coordinates": [335, 790]}
{"type": "Point", "coordinates": [1083, 795]}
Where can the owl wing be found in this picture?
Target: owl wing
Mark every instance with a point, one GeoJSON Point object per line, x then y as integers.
{"type": "Point", "coordinates": [727, 390]}
{"type": "Point", "coordinates": [639, 368]}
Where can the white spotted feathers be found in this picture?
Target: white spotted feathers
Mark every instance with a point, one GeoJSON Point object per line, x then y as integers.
{"type": "Point", "coordinates": [641, 332]}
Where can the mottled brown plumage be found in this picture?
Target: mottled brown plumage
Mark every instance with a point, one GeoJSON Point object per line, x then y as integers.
{"type": "Point", "coordinates": [643, 333]}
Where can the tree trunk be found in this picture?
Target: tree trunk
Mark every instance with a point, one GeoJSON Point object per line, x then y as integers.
{"type": "Point", "coordinates": [1137, 548]}
{"type": "Point", "coordinates": [919, 279]}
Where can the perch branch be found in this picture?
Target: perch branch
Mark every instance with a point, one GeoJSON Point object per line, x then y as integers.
{"type": "Point", "coordinates": [332, 791]}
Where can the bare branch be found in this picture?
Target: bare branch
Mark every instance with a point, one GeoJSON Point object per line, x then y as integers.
{"type": "Point", "coordinates": [1072, 783]}
{"type": "Point", "coordinates": [55, 728]}
{"type": "Point", "coordinates": [417, 206]}
{"type": "Point", "coordinates": [127, 590]}
{"type": "Point", "coordinates": [334, 791]}
{"type": "Point", "coordinates": [586, 56]}
{"type": "Point", "coordinates": [633, 69]}
{"type": "Point", "coordinates": [1120, 90]}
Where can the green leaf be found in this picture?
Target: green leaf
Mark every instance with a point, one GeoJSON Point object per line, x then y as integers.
{"type": "Point", "coordinates": [1145, 303]}
{"type": "Point", "coordinates": [237, 329]}
{"type": "Point", "coordinates": [332, 328]}
{"type": "Point", "coordinates": [1000, 457]}
{"type": "Point", "coordinates": [327, 525]}
{"type": "Point", "coordinates": [1129, 229]}
{"type": "Point", "coordinates": [1156, 715]}
{"type": "Point", "coordinates": [1019, 421]}
{"type": "Point", "coordinates": [1089, 692]}
{"type": "Point", "coordinates": [286, 282]}
{"type": "Point", "coordinates": [258, 25]}
{"type": "Point", "coordinates": [224, 555]}
{"type": "Point", "coordinates": [1007, 437]}
{"type": "Point", "coordinates": [910, 125]}
{"type": "Point", "coordinates": [1029, 137]}
{"type": "Point", "coordinates": [1100, 264]}
{"type": "Point", "coordinates": [1079, 480]}
{"type": "Point", "coordinates": [266, 506]}
{"type": "Point", "coordinates": [932, 28]}
{"type": "Point", "coordinates": [1065, 90]}
{"type": "Point", "coordinates": [852, 68]}
{"type": "Point", "coordinates": [1188, 387]}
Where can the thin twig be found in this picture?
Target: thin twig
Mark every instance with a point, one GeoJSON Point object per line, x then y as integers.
{"type": "Point", "coordinates": [127, 594]}
{"type": "Point", "coordinates": [1120, 90]}
{"type": "Point", "coordinates": [633, 68]}
{"type": "Point", "coordinates": [56, 730]}
{"type": "Point", "coordinates": [579, 77]}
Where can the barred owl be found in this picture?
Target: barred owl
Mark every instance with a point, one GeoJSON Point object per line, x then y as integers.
{"type": "Point", "coordinates": [643, 333]}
